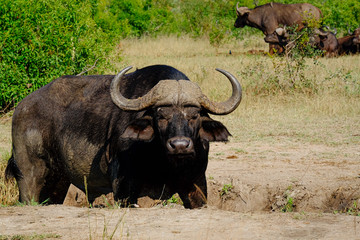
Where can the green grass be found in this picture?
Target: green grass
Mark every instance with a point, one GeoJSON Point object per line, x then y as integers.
{"type": "Point", "coordinates": [226, 189]}
{"type": "Point", "coordinates": [175, 199]}
{"type": "Point", "coordinates": [31, 203]}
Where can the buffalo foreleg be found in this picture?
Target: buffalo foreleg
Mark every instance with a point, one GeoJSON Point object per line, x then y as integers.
{"type": "Point", "coordinates": [194, 195]}
{"type": "Point", "coordinates": [126, 191]}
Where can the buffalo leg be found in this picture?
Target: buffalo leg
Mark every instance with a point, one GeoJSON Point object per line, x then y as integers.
{"type": "Point", "coordinates": [195, 194]}
{"type": "Point", "coordinates": [126, 190]}
{"type": "Point", "coordinates": [32, 179]}
{"type": "Point", "coordinates": [55, 189]}
{"type": "Point", "coordinates": [37, 183]}
{"type": "Point", "coordinates": [28, 163]}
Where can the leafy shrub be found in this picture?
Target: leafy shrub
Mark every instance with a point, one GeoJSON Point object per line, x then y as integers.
{"type": "Point", "coordinates": [287, 74]}
{"type": "Point", "coordinates": [132, 17]}
{"type": "Point", "coordinates": [44, 39]}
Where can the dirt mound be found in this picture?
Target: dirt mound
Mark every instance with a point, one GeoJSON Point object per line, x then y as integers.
{"type": "Point", "coordinates": [241, 197]}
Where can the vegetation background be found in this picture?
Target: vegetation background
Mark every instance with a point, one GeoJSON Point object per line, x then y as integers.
{"type": "Point", "coordinates": [41, 40]}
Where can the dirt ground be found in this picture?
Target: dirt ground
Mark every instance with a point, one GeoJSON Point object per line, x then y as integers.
{"type": "Point", "coordinates": [282, 190]}
{"type": "Point", "coordinates": [209, 223]}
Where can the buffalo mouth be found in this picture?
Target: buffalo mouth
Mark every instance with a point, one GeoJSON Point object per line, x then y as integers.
{"type": "Point", "coordinates": [181, 160]}
{"type": "Point", "coordinates": [271, 38]}
{"type": "Point", "coordinates": [177, 157]}
{"type": "Point", "coordinates": [239, 25]}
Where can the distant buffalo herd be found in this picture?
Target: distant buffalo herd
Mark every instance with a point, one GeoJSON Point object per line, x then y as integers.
{"type": "Point", "coordinates": [275, 19]}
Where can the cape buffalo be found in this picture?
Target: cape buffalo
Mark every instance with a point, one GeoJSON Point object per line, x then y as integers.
{"type": "Point", "coordinates": [278, 40]}
{"type": "Point", "coordinates": [326, 41]}
{"type": "Point", "coordinates": [136, 134]}
{"type": "Point", "coordinates": [356, 33]}
{"type": "Point", "coordinates": [269, 17]}
{"type": "Point", "coordinates": [319, 39]}
{"type": "Point", "coordinates": [350, 44]}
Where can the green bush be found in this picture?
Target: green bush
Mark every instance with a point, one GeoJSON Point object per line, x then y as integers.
{"type": "Point", "coordinates": [44, 39]}
{"type": "Point", "coordinates": [132, 17]}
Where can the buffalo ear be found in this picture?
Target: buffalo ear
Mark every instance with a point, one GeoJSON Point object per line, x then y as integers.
{"type": "Point", "coordinates": [212, 130]}
{"type": "Point", "coordinates": [140, 129]}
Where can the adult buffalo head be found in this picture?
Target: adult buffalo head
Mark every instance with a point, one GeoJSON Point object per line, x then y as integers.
{"type": "Point", "coordinates": [356, 39]}
{"type": "Point", "coordinates": [350, 44]}
{"type": "Point", "coordinates": [278, 40]}
{"type": "Point", "coordinates": [242, 15]}
{"type": "Point", "coordinates": [279, 36]}
{"type": "Point", "coordinates": [178, 114]}
{"type": "Point", "coordinates": [326, 41]}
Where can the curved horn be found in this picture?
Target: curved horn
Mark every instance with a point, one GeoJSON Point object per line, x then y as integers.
{"type": "Point", "coordinates": [150, 99]}
{"type": "Point", "coordinates": [320, 32]}
{"type": "Point", "coordinates": [349, 29]}
{"type": "Point", "coordinates": [280, 31]}
{"type": "Point", "coordinates": [125, 103]}
{"type": "Point", "coordinates": [241, 10]}
{"type": "Point", "coordinates": [328, 28]}
{"type": "Point", "coordinates": [228, 106]}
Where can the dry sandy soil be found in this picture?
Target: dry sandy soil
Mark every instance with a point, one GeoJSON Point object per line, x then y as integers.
{"type": "Point", "coordinates": [263, 177]}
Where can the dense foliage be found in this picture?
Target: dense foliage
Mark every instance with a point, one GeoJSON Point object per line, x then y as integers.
{"type": "Point", "coordinates": [41, 40]}
{"type": "Point", "coordinates": [44, 39]}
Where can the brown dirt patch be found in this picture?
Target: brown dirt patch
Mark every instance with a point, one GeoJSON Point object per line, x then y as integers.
{"type": "Point", "coordinates": [164, 223]}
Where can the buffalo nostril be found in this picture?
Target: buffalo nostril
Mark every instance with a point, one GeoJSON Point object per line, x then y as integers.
{"type": "Point", "coordinates": [178, 145]}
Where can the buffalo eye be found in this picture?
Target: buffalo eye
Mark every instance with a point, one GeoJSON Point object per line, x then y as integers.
{"type": "Point", "coordinates": [161, 117]}
{"type": "Point", "coordinates": [161, 114]}
{"type": "Point", "coordinates": [192, 113]}
{"type": "Point", "coordinates": [194, 117]}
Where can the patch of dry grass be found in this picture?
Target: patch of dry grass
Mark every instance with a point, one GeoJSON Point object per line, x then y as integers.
{"type": "Point", "coordinates": [330, 116]}
{"type": "Point", "coordinates": [198, 60]}
{"type": "Point", "coordinates": [8, 190]}
{"type": "Point", "coordinates": [337, 79]}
